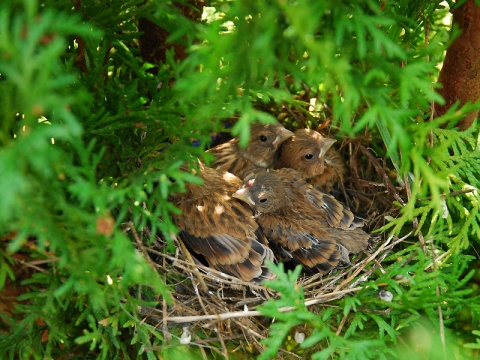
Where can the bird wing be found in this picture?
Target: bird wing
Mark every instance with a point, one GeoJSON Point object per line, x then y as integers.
{"type": "Point", "coordinates": [241, 257]}
{"type": "Point", "coordinates": [314, 251]}
{"type": "Point", "coordinates": [224, 232]}
{"type": "Point", "coordinates": [229, 158]}
{"type": "Point", "coordinates": [336, 214]}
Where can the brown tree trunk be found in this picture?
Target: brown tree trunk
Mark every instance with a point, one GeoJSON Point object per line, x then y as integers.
{"type": "Point", "coordinates": [460, 75]}
{"type": "Point", "coordinates": [153, 41]}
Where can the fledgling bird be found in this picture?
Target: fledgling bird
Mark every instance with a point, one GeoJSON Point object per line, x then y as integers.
{"type": "Point", "coordinates": [338, 216]}
{"type": "Point", "coordinates": [221, 228]}
{"type": "Point", "coordinates": [311, 154]}
{"type": "Point", "coordinates": [311, 226]}
{"type": "Point", "coordinates": [259, 153]}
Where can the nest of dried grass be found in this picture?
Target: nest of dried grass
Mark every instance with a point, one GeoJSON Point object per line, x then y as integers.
{"type": "Point", "coordinates": [215, 311]}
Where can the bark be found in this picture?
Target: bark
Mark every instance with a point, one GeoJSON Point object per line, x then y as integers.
{"type": "Point", "coordinates": [153, 41]}
{"type": "Point", "coordinates": [460, 75]}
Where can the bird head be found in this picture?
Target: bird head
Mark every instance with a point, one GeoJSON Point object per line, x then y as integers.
{"type": "Point", "coordinates": [305, 152]}
{"type": "Point", "coordinates": [264, 191]}
{"type": "Point", "coordinates": [264, 143]}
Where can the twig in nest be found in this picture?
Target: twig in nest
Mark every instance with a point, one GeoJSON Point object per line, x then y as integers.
{"type": "Point", "coordinates": [224, 347]}
{"type": "Point", "coordinates": [29, 265]}
{"type": "Point", "coordinates": [199, 276]}
{"type": "Point", "coordinates": [453, 193]}
{"type": "Point", "coordinates": [250, 331]}
{"type": "Point", "coordinates": [130, 227]}
{"type": "Point", "coordinates": [241, 314]}
{"type": "Point", "coordinates": [342, 323]}
{"type": "Point", "coordinates": [363, 264]}
{"type": "Point", "coordinates": [391, 189]}
{"type": "Point", "coordinates": [143, 249]}
{"type": "Point", "coordinates": [212, 274]}
{"type": "Point", "coordinates": [166, 333]}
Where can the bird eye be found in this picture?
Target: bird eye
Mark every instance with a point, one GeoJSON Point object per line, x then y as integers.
{"type": "Point", "coordinates": [309, 156]}
{"type": "Point", "coordinates": [263, 200]}
{"type": "Point", "coordinates": [263, 138]}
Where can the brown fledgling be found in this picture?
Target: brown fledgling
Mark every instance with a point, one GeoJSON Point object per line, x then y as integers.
{"type": "Point", "coordinates": [221, 228]}
{"type": "Point", "coordinates": [338, 216]}
{"type": "Point", "coordinates": [311, 226]}
{"type": "Point", "coordinates": [311, 154]}
{"type": "Point", "coordinates": [259, 153]}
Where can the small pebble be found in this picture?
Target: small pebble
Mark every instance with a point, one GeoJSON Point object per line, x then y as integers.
{"type": "Point", "coordinates": [299, 337]}
{"type": "Point", "coordinates": [385, 295]}
{"type": "Point", "coordinates": [186, 336]}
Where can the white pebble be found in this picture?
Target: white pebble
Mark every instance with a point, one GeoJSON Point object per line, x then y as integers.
{"type": "Point", "coordinates": [186, 336]}
{"type": "Point", "coordinates": [385, 295]}
{"type": "Point", "coordinates": [299, 337]}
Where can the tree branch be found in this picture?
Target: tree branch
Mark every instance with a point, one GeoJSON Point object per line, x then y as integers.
{"type": "Point", "coordinates": [460, 75]}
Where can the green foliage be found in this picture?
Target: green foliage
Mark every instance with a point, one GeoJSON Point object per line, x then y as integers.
{"type": "Point", "coordinates": [474, 345]}
{"type": "Point", "coordinates": [368, 333]}
{"type": "Point", "coordinates": [92, 139]}
{"type": "Point", "coordinates": [447, 196]}
{"type": "Point", "coordinates": [64, 201]}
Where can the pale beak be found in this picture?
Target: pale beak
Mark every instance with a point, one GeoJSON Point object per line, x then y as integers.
{"type": "Point", "coordinates": [326, 144]}
{"type": "Point", "coordinates": [243, 194]}
{"type": "Point", "coordinates": [284, 135]}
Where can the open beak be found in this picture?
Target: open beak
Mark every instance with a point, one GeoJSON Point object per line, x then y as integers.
{"type": "Point", "coordinates": [284, 135]}
{"type": "Point", "coordinates": [326, 145]}
{"type": "Point", "coordinates": [243, 194]}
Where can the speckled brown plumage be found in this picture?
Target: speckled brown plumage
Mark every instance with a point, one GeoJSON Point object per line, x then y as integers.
{"type": "Point", "coordinates": [337, 215]}
{"type": "Point", "coordinates": [313, 227]}
{"type": "Point", "coordinates": [259, 153]}
{"type": "Point", "coordinates": [221, 228]}
{"type": "Point", "coordinates": [311, 154]}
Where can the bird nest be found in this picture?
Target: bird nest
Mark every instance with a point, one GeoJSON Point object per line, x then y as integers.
{"type": "Point", "coordinates": [213, 310]}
